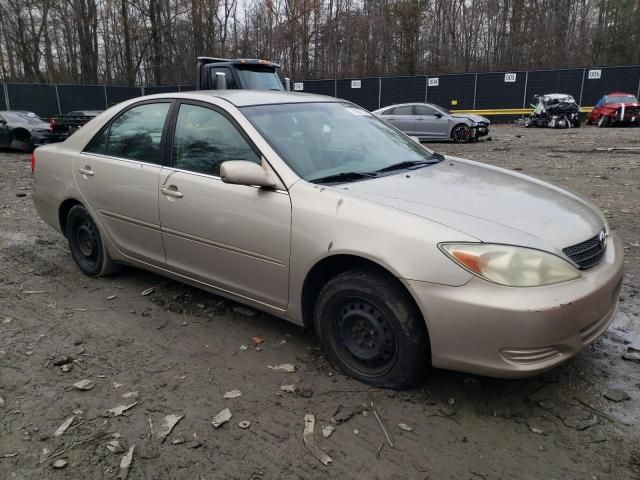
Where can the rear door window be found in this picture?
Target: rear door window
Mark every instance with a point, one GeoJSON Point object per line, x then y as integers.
{"type": "Point", "coordinates": [135, 135]}
{"type": "Point", "coordinates": [403, 110]}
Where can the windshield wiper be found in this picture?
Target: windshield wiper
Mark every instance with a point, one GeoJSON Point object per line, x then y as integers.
{"type": "Point", "coordinates": [435, 158]}
{"type": "Point", "coordinates": [343, 176]}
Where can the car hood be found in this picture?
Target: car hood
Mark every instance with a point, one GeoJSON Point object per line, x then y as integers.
{"type": "Point", "coordinates": [471, 116]}
{"type": "Point", "coordinates": [487, 203]}
{"type": "Point", "coordinates": [30, 126]}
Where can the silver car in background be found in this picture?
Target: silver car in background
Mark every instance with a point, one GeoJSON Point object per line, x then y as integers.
{"type": "Point", "coordinates": [428, 121]}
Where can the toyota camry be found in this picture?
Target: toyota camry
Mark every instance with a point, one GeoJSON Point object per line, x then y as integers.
{"type": "Point", "coordinates": [314, 210]}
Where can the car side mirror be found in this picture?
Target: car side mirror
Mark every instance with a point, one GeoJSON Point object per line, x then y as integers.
{"type": "Point", "coordinates": [242, 172]}
{"type": "Point", "coordinates": [3, 122]}
{"type": "Point", "coordinates": [438, 115]}
{"type": "Point", "coordinates": [221, 81]}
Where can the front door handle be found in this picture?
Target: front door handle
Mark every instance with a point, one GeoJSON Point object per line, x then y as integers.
{"type": "Point", "coordinates": [172, 191]}
{"type": "Point", "coordinates": [86, 170]}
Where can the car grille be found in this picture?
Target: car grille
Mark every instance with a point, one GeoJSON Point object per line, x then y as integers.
{"type": "Point", "coordinates": [588, 253]}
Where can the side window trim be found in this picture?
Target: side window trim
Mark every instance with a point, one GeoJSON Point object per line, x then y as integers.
{"type": "Point", "coordinates": [171, 133]}
{"type": "Point", "coordinates": [107, 128]}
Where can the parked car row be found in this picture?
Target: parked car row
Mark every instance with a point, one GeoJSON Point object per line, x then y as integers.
{"type": "Point", "coordinates": [559, 110]}
{"type": "Point", "coordinates": [24, 130]}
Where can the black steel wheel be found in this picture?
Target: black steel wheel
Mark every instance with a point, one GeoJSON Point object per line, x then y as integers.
{"type": "Point", "coordinates": [364, 336]}
{"type": "Point", "coordinates": [462, 133]}
{"type": "Point", "coordinates": [372, 330]}
{"type": "Point", "coordinates": [85, 243]}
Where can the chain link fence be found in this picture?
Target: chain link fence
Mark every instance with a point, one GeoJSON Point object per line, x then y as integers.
{"type": "Point", "coordinates": [501, 94]}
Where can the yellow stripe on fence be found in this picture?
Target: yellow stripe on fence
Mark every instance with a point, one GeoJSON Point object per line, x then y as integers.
{"type": "Point", "coordinates": [509, 111]}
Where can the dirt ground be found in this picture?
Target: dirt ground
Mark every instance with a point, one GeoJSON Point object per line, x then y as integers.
{"type": "Point", "coordinates": [181, 349]}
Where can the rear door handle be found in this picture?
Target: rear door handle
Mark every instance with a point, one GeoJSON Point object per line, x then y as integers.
{"type": "Point", "coordinates": [171, 191]}
{"type": "Point", "coordinates": [86, 170]}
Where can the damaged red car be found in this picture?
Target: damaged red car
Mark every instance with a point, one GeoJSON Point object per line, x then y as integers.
{"type": "Point", "coordinates": [615, 109]}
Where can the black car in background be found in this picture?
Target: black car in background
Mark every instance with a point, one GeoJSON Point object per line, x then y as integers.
{"type": "Point", "coordinates": [66, 125]}
{"type": "Point", "coordinates": [24, 132]}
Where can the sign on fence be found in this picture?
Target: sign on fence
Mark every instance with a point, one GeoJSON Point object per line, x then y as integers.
{"type": "Point", "coordinates": [595, 74]}
{"type": "Point", "coordinates": [356, 83]}
{"type": "Point", "coordinates": [434, 81]}
{"type": "Point", "coordinates": [510, 77]}
{"type": "Point", "coordinates": [298, 86]}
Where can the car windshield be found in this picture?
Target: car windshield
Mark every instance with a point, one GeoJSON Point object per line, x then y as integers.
{"type": "Point", "coordinates": [621, 99]}
{"type": "Point", "coordinates": [341, 140]}
{"type": "Point", "coordinates": [257, 78]}
{"type": "Point", "coordinates": [17, 117]}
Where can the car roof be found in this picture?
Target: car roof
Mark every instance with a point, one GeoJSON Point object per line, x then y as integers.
{"type": "Point", "coordinates": [557, 95]}
{"type": "Point", "coordinates": [245, 98]}
{"type": "Point", "coordinates": [407, 105]}
{"type": "Point", "coordinates": [617, 94]}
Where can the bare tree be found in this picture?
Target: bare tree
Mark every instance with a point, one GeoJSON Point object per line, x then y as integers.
{"type": "Point", "coordinates": [155, 42]}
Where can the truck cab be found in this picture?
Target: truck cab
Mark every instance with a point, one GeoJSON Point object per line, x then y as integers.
{"type": "Point", "coordinates": [245, 74]}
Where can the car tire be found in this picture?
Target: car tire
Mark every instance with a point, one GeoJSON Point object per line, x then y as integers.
{"type": "Point", "coordinates": [22, 140]}
{"type": "Point", "coordinates": [86, 245]}
{"type": "Point", "coordinates": [576, 124]}
{"type": "Point", "coordinates": [603, 121]}
{"type": "Point", "coordinates": [371, 329]}
{"type": "Point", "coordinates": [462, 133]}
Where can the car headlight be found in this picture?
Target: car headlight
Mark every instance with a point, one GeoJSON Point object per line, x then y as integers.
{"type": "Point", "coordinates": [509, 265]}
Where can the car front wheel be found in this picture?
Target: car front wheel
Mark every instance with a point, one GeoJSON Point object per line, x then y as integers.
{"type": "Point", "coordinates": [85, 243]}
{"type": "Point", "coordinates": [372, 330]}
{"type": "Point", "coordinates": [462, 134]}
{"type": "Point", "coordinates": [603, 121]}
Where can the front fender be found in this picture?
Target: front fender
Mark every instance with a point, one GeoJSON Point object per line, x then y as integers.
{"type": "Point", "coordinates": [328, 221]}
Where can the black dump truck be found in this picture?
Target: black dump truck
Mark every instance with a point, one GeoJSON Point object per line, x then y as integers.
{"type": "Point", "coordinates": [223, 73]}
{"type": "Point", "coordinates": [211, 74]}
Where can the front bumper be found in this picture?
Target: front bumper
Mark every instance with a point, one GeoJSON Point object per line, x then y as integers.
{"type": "Point", "coordinates": [481, 131]}
{"type": "Point", "coordinates": [627, 120]}
{"type": "Point", "coordinates": [509, 332]}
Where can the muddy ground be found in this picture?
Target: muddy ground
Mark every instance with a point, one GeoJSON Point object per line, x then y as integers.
{"type": "Point", "coordinates": [180, 350]}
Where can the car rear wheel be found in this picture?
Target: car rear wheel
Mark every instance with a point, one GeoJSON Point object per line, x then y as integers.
{"type": "Point", "coordinates": [462, 133]}
{"type": "Point", "coordinates": [371, 329]}
{"type": "Point", "coordinates": [86, 245]}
